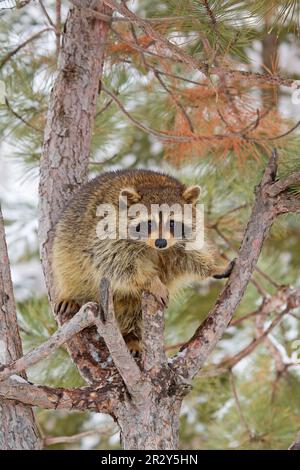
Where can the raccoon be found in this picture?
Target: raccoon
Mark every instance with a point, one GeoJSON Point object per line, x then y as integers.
{"type": "Point", "coordinates": [156, 252]}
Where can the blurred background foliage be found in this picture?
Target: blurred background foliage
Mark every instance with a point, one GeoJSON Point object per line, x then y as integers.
{"type": "Point", "coordinates": [256, 405]}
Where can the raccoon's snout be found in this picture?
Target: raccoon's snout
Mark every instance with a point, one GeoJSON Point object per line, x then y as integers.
{"type": "Point", "coordinates": [161, 243]}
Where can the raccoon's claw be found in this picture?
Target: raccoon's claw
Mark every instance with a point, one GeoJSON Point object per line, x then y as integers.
{"type": "Point", "coordinates": [159, 291]}
{"type": "Point", "coordinates": [134, 347]}
{"type": "Point", "coordinates": [225, 274]}
{"type": "Point", "coordinates": [135, 354]}
{"type": "Point", "coordinates": [65, 309]}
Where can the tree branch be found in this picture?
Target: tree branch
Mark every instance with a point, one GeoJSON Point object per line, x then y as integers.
{"type": "Point", "coordinates": [10, 54]}
{"type": "Point", "coordinates": [179, 54]}
{"type": "Point", "coordinates": [153, 351]}
{"type": "Point", "coordinates": [15, 387]}
{"type": "Point", "coordinates": [84, 318]}
{"type": "Point", "coordinates": [265, 209]}
{"type": "Point", "coordinates": [282, 303]}
{"type": "Point", "coordinates": [99, 399]}
{"type": "Point", "coordinates": [105, 430]}
{"type": "Point", "coordinates": [108, 328]}
{"type": "Point", "coordinates": [21, 118]}
{"type": "Point", "coordinates": [287, 202]}
{"type": "Point", "coordinates": [284, 183]}
{"type": "Point", "coordinates": [239, 408]}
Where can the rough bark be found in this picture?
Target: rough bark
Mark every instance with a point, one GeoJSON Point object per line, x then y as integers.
{"type": "Point", "coordinates": [66, 150]}
{"type": "Point", "coordinates": [17, 424]}
{"type": "Point", "coordinates": [153, 426]}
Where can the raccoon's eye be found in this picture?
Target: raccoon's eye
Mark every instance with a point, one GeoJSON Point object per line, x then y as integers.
{"type": "Point", "coordinates": [177, 229]}
{"type": "Point", "coordinates": [138, 228]}
{"type": "Point", "coordinates": [174, 227]}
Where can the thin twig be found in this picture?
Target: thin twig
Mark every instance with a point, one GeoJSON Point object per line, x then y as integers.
{"type": "Point", "coordinates": [229, 363]}
{"type": "Point", "coordinates": [10, 54]}
{"type": "Point", "coordinates": [18, 116]}
{"type": "Point", "coordinates": [160, 80]}
{"type": "Point", "coordinates": [237, 321]}
{"type": "Point", "coordinates": [276, 137]}
{"type": "Point", "coordinates": [162, 136]}
{"type": "Point", "coordinates": [229, 212]}
{"type": "Point", "coordinates": [238, 405]}
{"type": "Point", "coordinates": [289, 298]}
{"type": "Point", "coordinates": [104, 108]}
{"type": "Point", "coordinates": [44, 10]}
{"type": "Point", "coordinates": [105, 430]}
{"type": "Point", "coordinates": [179, 54]}
{"type": "Point", "coordinates": [173, 75]}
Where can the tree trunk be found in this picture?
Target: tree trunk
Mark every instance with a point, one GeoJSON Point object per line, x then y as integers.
{"type": "Point", "coordinates": [152, 425]}
{"type": "Point", "coordinates": [17, 424]}
{"type": "Point", "coordinates": [66, 150]}
{"type": "Point", "coordinates": [70, 118]}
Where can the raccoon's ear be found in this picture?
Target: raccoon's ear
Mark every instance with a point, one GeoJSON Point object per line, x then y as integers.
{"type": "Point", "coordinates": [191, 194]}
{"type": "Point", "coordinates": [131, 194]}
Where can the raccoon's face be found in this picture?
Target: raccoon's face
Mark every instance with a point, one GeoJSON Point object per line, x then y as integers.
{"type": "Point", "coordinates": [159, 233]}
{"type": "Point", "coordinates": [161, 225]}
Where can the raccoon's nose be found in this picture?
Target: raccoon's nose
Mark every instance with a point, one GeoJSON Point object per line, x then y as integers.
{"type": "Point", "coordinates": [161, 243]}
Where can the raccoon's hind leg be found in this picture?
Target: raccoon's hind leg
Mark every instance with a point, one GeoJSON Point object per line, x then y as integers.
{"type": "Point", "coordinates": [133, 344]}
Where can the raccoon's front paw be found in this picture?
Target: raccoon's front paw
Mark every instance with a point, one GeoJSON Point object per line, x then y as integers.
{"type": "Point", "coordinates": [66, 309]}
{"type": "Point", "coordinates": [159, 291]}
{"type": "Point", "coordinates": [225, 273]}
